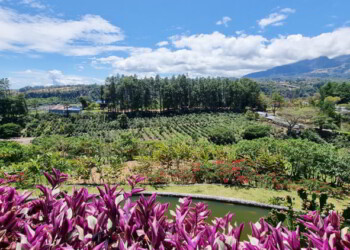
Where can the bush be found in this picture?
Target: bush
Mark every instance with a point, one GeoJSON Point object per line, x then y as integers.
{"type": "Point", "coordinates": [9, 130]}
{"type": "Point", "coordinates": [123, 121]}
{"type": "Point", "coordinates": [256, 131]}
{"type": "Point", "coordinates": [80, 221]}
{"type": "Point", "coordinates": [222, 136]}
{"type": "Point", "coordinates": [312, 136]}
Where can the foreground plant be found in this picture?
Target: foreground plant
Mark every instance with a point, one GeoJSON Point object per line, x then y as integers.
{"type": "Point", "coordinates": [113, 221]}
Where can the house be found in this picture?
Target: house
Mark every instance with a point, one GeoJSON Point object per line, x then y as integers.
{"type": "Point", "coordinates": [61, 110]}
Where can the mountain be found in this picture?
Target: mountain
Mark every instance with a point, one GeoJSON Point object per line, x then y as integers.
{"type": "Point", "coordinates": [322, 67]}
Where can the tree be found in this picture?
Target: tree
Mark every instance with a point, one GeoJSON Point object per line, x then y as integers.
{"type": "Point", "coordinates": [293, 117]}
{"type": "Point", "coordinates": [263, 102]}
{"type": "Point", "coordinates": [276, 102]}
{"type": "Point", "coordinates": [4, 88]}
{"type": "Point", "coordinates": [35, 105]}
{"type": "Point", "coordinates": [9, 130]}
{"type": "Point", "coordinates": [102, 94]}
{"type": "Point", "coordinates": [66, 106]}
{"type": "Point", "coordinates": [323, 121]}
{"type": "Point", "coordinates": [328, 105]}
{"type": "Point", "coordinates": [123, 121]}
{"type": "Point", "coordinates": [84, 101]}
{"type": "Point", "coordinates": [112, 92]}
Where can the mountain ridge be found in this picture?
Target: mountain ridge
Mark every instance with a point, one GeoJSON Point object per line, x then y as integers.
{"type": "Point", "coordinates": [321, 67]}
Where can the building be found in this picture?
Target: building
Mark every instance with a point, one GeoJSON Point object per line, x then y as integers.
{"type": "Point", "coordinates": [60, 110]}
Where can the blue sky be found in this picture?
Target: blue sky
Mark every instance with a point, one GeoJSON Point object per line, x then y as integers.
{"type": "Point", "coordinates": [45, 42]}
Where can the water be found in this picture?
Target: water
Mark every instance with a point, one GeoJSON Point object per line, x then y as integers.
{"type": "Point", "coordinates": [243, 214]}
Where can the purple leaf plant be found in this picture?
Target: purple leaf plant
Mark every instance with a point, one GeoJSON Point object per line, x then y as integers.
{"type": "Point", "coordinates": [112, 220]}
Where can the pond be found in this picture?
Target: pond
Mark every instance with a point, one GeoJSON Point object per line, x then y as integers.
{"type": "Point", "coordinates": [243, 214]}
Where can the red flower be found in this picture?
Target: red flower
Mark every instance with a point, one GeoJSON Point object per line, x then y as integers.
{"type": "Point", "coordinates": [225, 180]}
{"type": "Point", "coordinates": [238, 161]}
{"type": "Point", "coordinates": [243, 179]}
{"type": "Point", "coordinates": [236, 169]}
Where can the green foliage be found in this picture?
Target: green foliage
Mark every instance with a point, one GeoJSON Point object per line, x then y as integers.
{"type": "Point", "coordinates": [123, 121]}
{"type": "Point", "coordinates": [276, 102]}
{"type": "Point", "coordinates": [179, 93]}
{"type": "Point", "coordinates": [287, 217]}
{"type": "Point", "coordinates": [341, 90]}
{"type": "Point", "coordinates": [10, 152]}
{"type": "Point", "coordinates": [256, 131]}
{"type": "Point", "coordinates": [304, 159]}
{"type": "Point", "coordinates": [12, 108]}
{"type": "Point", "coordinates": [84, 100]}
{"type": "Point", "coordinates": [58, 94]}
{"type": "Point", "coordinates": [222, 136]}
{"type": "Point", "coordinates": [9, 130]}
{"type": "Point", "coordinates": [311, 135]}
{"type": "Point", "coordinates": [311, 204]}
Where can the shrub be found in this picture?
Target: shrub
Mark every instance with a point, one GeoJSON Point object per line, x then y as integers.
{"type": "Point", "coordinates": [123, 121]}
{"type": "Point", "coordinates": [10, 152]}
{"type": "Point", "coordinates": [113, 221]}
{"type": "Point", "coordinates": [9, 130]}
{"type": "Point", "coordinates": [312, 136]}
{"type": "Point", "coordinates": [256, 131]}
{"type": "Point", "coordinates": [222, 136]}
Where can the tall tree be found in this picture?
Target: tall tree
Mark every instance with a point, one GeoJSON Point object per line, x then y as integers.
{"type": "Point", "coordinates": [276, 102]}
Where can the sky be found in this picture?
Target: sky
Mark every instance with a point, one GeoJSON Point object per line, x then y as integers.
{"type": "Point", "coordinates": [60, 42]}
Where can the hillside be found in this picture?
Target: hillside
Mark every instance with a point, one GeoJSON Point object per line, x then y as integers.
{"type": "Point", "coordinates": [322, 67]}
{"type": "Point", "coordinates": [64, 92]}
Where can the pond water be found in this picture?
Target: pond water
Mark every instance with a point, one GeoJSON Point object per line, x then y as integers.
{"type": "Point", "coordinates": [242, 213]}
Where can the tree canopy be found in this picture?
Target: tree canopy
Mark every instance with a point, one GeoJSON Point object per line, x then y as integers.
{"type": "Point", "coordinates": [180, 92]}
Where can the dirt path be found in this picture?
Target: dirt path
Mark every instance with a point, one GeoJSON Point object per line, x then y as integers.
{"type": "Point", "coordinates": [21, 140]}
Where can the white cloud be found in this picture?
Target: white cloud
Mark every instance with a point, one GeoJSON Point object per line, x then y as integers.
{"type": "Point", "coordinates": [90, 35]}
{"type": "Point", "coordinates": [288, 10]}
{"type": "Point", "coordinates": [272, 19]}
{"type": "Point", "coordinates": [33, 4]}
{"type": "Point", "coordinates": [162, 43]}
{"type": "Point", "coordinates": [52, 77]}
{"type": "Point", "coordinates": [276, 18]}
{"type": "Point", "coordinates": [224, 21]}
{"type": "Point", "coordinates": [216, 54]}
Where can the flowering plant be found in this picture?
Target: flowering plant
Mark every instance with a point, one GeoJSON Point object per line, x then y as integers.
{"type": "Point", "coordinates": [113, 221]}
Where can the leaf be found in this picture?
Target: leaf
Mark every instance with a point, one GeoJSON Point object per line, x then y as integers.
{"type": "Point", "coordinates": [119, 199]}
{"type": "Point", "coordinates": [81, 232]}
{"type": "Point", "coordinates": [109, 224]}
{"type": "Point", "coordinates": [92, 221]}
{"type": "Point", "coordinates": [221, 244]}
{"type": "Point", "coordinates": [254, 241]}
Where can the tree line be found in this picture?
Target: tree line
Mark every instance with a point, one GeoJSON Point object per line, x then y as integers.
{"type": "Point", "coordinates": [179, 93]}
{"type": "Point", "coordinates": [12, 107]}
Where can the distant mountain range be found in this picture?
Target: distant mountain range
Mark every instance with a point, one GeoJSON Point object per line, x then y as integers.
{"type": "Point", "coordinates": [322, 67]}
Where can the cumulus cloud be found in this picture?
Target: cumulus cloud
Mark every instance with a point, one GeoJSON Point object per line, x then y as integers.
{"type": "Point", "coordinates": [89, 35]}
{"type": "Point", "coordinates": [224, 21]}
{"type": "Point", "coordinates": [276, 18]}
{"type": "Point", "coordinates": [47, 78]}
{"type": "Point", "coordinates": [162, 43]}
{"type": "Point", "coordinates": [216, 54]}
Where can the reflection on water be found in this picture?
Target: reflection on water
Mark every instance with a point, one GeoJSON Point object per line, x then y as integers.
{"type": "Point", "coordinates": [243, 214]}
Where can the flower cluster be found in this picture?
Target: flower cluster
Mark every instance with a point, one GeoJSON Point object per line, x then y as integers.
{"type": "Point", "coordinates": [112, 220]}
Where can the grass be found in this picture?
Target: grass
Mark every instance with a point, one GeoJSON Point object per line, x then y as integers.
{"type": "Point", "coordinates": [253, 194]}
